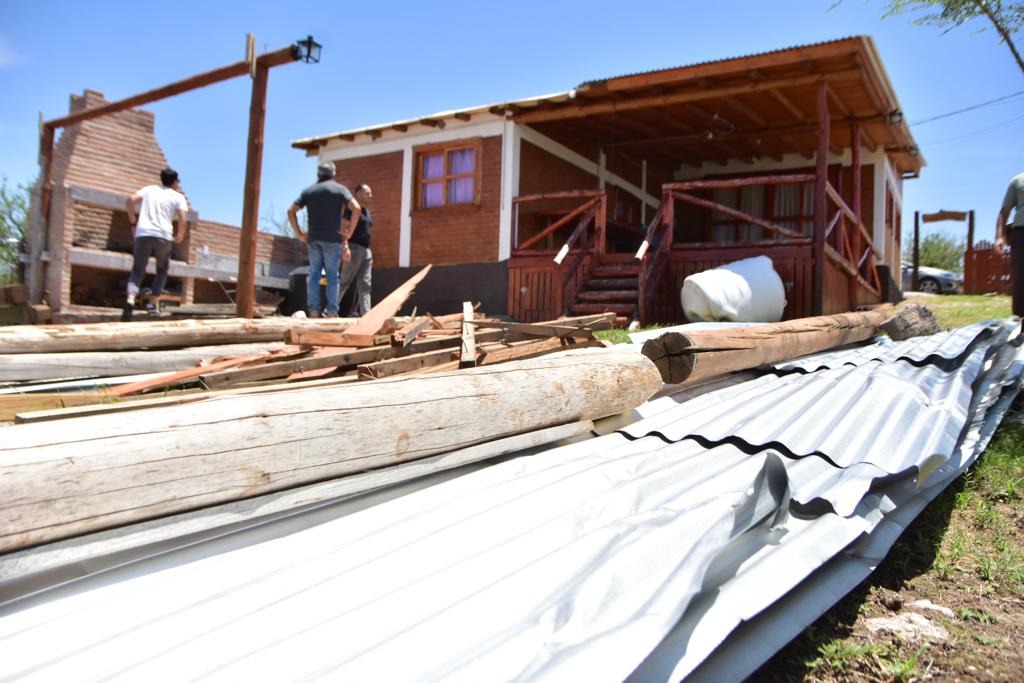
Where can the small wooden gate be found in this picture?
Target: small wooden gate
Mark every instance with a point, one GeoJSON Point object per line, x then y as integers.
{"type": "Point", "coordinates": [986, 270]}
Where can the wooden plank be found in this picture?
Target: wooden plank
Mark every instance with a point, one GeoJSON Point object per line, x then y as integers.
{"type": "Point", "coordinates": [467, 350]}
{"type": "Point", "coordinates": [398, 366]}
{"type": "Point", "coordinates": [408, 333]}
{"type": "Point", "coordinates": [318, 338]}
{"type": "Point", "coordinates": [531, 349]}
{"type": "Point", "coordinates": [12, 404]}
{"type": "Point", "coordinates": [373, 321]}
{"type": "Point", "coordinates": [232, 447]}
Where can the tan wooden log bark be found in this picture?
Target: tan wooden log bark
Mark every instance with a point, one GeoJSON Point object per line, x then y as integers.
{"type": "Point", "coordinates": [155, 334]}
{"type": "Point", "coordinates": [692, 357]}
{"type": "Point", "coordinates": [106, 470]}
{"type": "Point", "coordinates": [22, 367]}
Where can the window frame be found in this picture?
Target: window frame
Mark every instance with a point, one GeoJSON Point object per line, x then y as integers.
{"type": "Point", "coordinates": [444, 149]}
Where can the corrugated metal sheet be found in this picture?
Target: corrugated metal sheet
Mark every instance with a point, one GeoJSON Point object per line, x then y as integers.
{"type": "Point", "coordinates": [714, 61]}
{"type": "Point", "coordinates": [653, 551]}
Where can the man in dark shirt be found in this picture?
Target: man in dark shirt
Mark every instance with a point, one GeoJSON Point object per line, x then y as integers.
{"type": "Point", "coordinates": [324, 202]}
{"type": "Point", "coordinates": [358, 264]}
{"type": "Point", "coordinates": [1013, 233]}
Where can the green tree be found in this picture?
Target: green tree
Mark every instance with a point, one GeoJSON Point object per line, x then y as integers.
{"type": "Point", "coordinates": [939, 251]}
{"type": "Point", "coordinates": [1006, 18]}
{"type": "Point", "coordinates": [13, 226]}
{"type": "Point", "coordinates": [276, 222]}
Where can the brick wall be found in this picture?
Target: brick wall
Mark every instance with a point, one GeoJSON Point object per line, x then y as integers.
{"type": "Point", "coordinates": [464, 233]}
{"type": "Point", "coordinates": [100, 228]}
{"type": "Point", "coordinates": [383, 173]}
{"type": "Point", "coordinates": [223, 239]}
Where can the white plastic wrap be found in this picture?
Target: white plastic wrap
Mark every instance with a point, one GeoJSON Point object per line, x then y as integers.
{"type": "Point", "coordinates": [748, 290]}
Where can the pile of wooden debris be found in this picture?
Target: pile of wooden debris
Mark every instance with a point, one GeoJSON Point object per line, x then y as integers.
{"type": "Point", "coordinates": [49, 372]}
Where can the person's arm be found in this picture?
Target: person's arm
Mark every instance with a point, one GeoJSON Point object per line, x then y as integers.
{"type": "Point", "coordinates": [1001, 231]}
{"type": "Point", "coordinates": [182, 231]}
{"type": "Point", "coordinates": [293, 220]}
{"type": "Point", "coordinates": [353, 221]}
{"type": "Point", "coordinates": [129, 207]}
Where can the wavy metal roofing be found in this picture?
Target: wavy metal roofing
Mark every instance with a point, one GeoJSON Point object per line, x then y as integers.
{"type": "Point", "coordinates": [652, 552]}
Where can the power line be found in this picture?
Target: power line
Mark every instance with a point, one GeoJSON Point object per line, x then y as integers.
{"type": "Point", "coordinates": [965, 135]}
{"type": "Point", "coordinates": [961, 111]}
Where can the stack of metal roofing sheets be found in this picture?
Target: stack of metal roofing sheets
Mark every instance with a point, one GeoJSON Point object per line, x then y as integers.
{"type": "Point", "coordinates": [727, 520]}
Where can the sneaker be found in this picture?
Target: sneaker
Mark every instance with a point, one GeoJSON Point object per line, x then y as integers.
{"type": "Point", "coordinates": [314, 314]}
{"type": "Point", "coordinates": [151, 308]}
{"type": "Point", "coordinates": [126, 313]}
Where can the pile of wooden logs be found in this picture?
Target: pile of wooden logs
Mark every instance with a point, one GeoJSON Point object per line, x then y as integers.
{"type": "Point", "coordinates": [188, 360]}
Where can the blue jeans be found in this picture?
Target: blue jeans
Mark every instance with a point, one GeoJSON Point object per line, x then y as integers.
{"type": "Point", "coordinates": [324, 257]}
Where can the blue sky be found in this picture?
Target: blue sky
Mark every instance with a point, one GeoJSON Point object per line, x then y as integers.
{"type": "Point", "coordinates": [392, 60]}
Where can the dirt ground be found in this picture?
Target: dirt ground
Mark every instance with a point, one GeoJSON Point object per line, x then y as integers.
{"type": "Point", "coordinates": [965, 552]}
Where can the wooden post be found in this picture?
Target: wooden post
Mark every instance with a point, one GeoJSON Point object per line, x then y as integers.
{"type": "Point", "coordinates": [855, 147]}
{"type": "Point", "coordinates": [246, 296]}
{"type": "Point", "coordinates": [917, 249]}
{"type": "Point", "coordinates": [601, 222]}
{"type": "Point", "coordinates": [820, 209]}
{"type": "Point", "coordinates": [970, 230]}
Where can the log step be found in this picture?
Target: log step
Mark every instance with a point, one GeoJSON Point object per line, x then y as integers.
{"type": "Point", "coordinates": [627, 257]}
{"type": "Point", "coordinates": [617, 308]}
{"type": "Point", "coordinates": [623, 270]}
{"type": "Point", "coordinates": [612, 283]}
{"type": "Point", "coordinates": [611, 295]}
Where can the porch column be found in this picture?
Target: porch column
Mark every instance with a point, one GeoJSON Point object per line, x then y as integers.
{"type": "Point", "coordinates": [820, 181]}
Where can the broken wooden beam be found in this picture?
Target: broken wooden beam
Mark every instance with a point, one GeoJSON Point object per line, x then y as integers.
{"type": "Point", "coordinates": [318, 338]}
{"type": "Point", "coordinates": [691, 357]}
{"type": "Point", "coordinates": [408, 333]}
{"type": "Point", "coordinates": [502, 353]}
{"type": "Point", "coordinates": [232, 447]}
{"type": "Point", "coordinates": [467, 349]}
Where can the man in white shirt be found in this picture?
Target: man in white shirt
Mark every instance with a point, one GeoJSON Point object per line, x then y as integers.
{"type": "Point", "coordinates": [154, 233]}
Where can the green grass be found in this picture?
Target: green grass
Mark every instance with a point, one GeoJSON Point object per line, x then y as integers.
{"type": "Point", "coordinates": [957, 310]}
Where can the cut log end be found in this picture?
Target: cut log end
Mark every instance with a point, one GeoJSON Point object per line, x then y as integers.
{"type": "Point", "coordinates": [672, 355]}
{"type": "Point", "coordinates": [913, 320]}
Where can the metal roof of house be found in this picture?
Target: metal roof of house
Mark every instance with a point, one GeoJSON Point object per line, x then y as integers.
{"type": "Point", "coordinates": [755, 106]}
{"type": "Point", "coordinates": [658, 551]}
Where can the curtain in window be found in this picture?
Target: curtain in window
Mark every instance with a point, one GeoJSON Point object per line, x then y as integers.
{"type": "Point", "coordinates": [460, 190]}
{"type": "Point", "coordinates": [808, 208]}
{"type": "Point", "coordinates": [433, 195]}
{"type": "Point", "coordinates": [433, 166]}
{"type": "Point", "coordinates": [726, 196]}
{"type": "Point", "coordinates": [787, 205]}
{"type": "Point", "coordinates": [461, 161]}
{"type": "Point", "coordinates": [752, 202]}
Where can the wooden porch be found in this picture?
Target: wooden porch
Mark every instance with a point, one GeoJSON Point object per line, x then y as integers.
{"type": "Point", "coordinates": [566, 262]}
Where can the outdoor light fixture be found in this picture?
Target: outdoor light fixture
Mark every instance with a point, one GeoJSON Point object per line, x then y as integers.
{"type": "Point", "coordinates": [307, 50]}
{"type": "Point", "coordinates": [896, 116]}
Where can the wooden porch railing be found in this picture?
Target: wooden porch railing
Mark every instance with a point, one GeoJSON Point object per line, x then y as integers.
{"type": "Point", "coordinates": [848, 244]}
{"type": "Point", "coordinates": [587, 239]}
{"type": "Point", "coordinates": [659, 232]}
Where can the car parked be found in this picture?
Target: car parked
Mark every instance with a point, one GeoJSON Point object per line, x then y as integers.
{"type": "Point", "coordinates": [931, 280]}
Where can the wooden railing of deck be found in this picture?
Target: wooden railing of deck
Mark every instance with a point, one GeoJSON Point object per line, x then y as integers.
{"type": "Point", "coordinates": [587, 239]}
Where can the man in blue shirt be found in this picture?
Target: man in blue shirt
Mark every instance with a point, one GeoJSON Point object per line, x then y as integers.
{"type": "Point", "coordinates": [1014, 234]}
{"type": "Point", "coordinates": [325, 202]}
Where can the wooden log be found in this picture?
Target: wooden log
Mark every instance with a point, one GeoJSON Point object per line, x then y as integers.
{"type": "Point", "coordinates": [105, 549]}
{"type": "Point", "coordinates": [25, 367]}
{"type": "Point", "coordinates": [691, 357]}
{"type": "Point", "coordinates": [102, 471]}
{"type": "Point", "coordinates": [153, 334]}
{"type": "Point", "coordinates": [912, 320]}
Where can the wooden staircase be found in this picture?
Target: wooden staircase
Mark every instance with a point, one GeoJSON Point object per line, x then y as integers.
{"type": "Point", "coordinates": [612, 286]}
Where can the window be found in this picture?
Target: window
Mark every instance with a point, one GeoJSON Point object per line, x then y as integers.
{"type": "Point", "coordinates": [448, 174]}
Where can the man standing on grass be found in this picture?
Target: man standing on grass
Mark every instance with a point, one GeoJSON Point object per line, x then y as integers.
{"type": "Point", "coordinates": [324, 202]}
{"type": "Point", "coordinates": [358, 267]}
{"type": "Point", "coordinates": [154, 235]}
{"type": "Point", "coordinates": [1014, 234]}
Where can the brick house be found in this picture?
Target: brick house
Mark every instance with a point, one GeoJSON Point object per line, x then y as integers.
{"type": "Point", "coordinates": [629, 184]}
{"type": "Point", "coordinates": [86, 257]}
